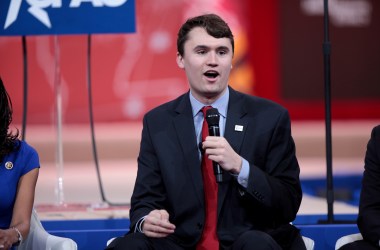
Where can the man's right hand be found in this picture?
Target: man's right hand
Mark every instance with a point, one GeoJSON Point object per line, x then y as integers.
{"type": "Point", "coordinates": [157, 225]}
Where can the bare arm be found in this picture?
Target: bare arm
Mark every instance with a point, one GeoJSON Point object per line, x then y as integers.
{"type": "Point", "coordinates": [22, 210]}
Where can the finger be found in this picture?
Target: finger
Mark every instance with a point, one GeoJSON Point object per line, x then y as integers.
{"type": "Point", "coordinates": [155, 225]}
{"type": "Point", "coordinates": [159, 229]}
{"type": "Point", "coordinates": [156, 231]}
{"type": "Point", "coordinates": [164, 215]}
{"type": "Point", "coordinates": [215, 139]}
{"type": "Point", "coordinates": [162, 220]}
{"type": "Point", "coordinates": [155, 214]}
{"type": "Point", "coordinates": [160, 226]}
{"type": "Point", "coordinates": [213, 144]}
{"type": "Point", "coordinates": [155, 234]}
{"type": "Point", "coordinates": [150, 221]}
{"type": "Point", "coordinates": [153, 217]}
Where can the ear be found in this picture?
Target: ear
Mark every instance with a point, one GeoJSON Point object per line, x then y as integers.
{"type": "Point", "coordinates": [180, 62]}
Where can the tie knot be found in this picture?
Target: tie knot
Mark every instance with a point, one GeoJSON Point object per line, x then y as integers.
{"type": "Point", "coordinates": [204, 110]}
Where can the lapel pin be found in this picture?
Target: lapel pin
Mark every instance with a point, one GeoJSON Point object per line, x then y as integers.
{"type": "Point", "coordinates": [9, 165]}
{"type": "Point", "coordinates": [239, 128]}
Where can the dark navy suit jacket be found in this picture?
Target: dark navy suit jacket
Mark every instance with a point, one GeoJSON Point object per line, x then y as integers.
{"type": "Point", "coordinates": [170, 177]}
{"type": "Point", "coordinates": [369, 206]}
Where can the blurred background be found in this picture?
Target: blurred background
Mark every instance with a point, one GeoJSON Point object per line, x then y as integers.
{"type": "Point", "coordinates": [278, 56]}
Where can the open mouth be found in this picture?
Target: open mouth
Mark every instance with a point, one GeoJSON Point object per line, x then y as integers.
{"type": "Point", "coordinates": [211, 74]}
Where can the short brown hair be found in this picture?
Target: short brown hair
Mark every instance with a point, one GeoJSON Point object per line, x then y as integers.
{"type": "Point", "coordinates": [213, 24]}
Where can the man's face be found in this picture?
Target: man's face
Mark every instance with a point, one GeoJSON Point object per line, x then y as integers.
{"type": "Point", "coordinates": [207, 62]}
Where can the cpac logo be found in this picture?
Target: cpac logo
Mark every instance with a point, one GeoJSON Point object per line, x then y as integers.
{"type": "Point", "coordinates": [37, 8]}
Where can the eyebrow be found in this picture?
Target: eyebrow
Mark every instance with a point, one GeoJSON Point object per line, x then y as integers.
{"type": "Point", "coordinates": [208, 47]}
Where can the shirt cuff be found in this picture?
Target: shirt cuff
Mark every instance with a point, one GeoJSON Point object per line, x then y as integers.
{"type": "Point", "coordinates": [242, 178]}
{"type": "Point", "coordinates": [139, 223]}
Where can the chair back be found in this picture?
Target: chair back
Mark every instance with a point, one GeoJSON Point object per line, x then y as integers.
{"type": "Point", "coordinates": [39, 238]}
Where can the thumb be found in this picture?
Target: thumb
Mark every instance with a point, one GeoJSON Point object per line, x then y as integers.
{"type": "Point", "coordinates": [164, 215]}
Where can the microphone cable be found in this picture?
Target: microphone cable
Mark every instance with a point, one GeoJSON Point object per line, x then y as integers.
{"type": "Point", "coordinates": [89, 88]}
{"type": "Point", "coordinates": [25, 89]}
{"type": "Point", "coordinates": [91, 116]}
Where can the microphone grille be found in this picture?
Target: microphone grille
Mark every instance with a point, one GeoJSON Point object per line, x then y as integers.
{"type": "Point", "coordinates": [212, 117]}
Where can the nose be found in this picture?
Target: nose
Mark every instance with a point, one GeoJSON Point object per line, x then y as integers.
{"type": "Point", "coordinates": [212, 59]}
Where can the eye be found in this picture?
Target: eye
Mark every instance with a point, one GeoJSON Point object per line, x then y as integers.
{"type": "Point", "coordinates": [222, 52]}
{"type": "Point", "coordinates": [201, 52]}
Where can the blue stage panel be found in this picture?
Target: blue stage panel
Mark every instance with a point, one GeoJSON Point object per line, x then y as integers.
{"type": "Point", "coordinates": [94, 234]}
{"type": "Point", "coordinates": [325, 236]}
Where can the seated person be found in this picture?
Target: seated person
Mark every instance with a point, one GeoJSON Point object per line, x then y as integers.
{"type": "Point", "coordinates": [369, 206]}
{"type": "Point", "coordinates": [183, 200]}
{"type": "Point", "coordinates": [19, 167]}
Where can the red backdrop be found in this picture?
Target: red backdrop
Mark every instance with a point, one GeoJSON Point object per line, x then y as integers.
{"type": "Point", "coordinates": [278, 56]}
{"type": "Point", "coordinates": [286, 53]}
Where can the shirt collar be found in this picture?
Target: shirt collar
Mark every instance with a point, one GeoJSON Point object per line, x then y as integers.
{"type": "Point", "coordinates": [220, 104]}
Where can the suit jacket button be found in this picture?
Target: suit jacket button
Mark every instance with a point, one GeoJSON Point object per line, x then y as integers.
{"type": "Point", "coordinates": [200, 226]}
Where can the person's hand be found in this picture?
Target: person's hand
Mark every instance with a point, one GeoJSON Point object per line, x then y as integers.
{"type": "Point", "coordinates": [219, 150]}
{"type": "Point", "coordinates": [6, 239]}
{"type": "Point", "coordinates": [156, 224]}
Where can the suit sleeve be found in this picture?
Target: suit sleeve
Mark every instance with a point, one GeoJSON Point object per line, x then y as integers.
{"type": "Point", "coordinates": [149, 189]}
{"type": "Point", "coordinates": [274, 172]}
{"type": "Point", "coordinates": [369, 206]}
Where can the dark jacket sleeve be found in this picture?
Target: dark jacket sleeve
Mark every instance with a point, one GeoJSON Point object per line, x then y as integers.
{"type": "Point", "coordinates": [369, 206]}
{"type": "Point", "coordinates": [275, 176]}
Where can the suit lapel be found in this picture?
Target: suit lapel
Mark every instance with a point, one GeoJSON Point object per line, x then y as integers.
{"type": "Point", "coordinates": [236, 126]}
{"type": "Point", "coordinates": [184, 126]}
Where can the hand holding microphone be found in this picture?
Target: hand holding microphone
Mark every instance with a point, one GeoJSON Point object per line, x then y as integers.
{"type": "Point", "coordinates": [218, 149]}
{"type": "Point", "coordinates": [212, 118]}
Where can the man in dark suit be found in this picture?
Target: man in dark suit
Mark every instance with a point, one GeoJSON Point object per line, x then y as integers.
{"type": "Point", "coordinates": [260, 193]}
{"type": "Point", "coordinates": [369, 205]}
